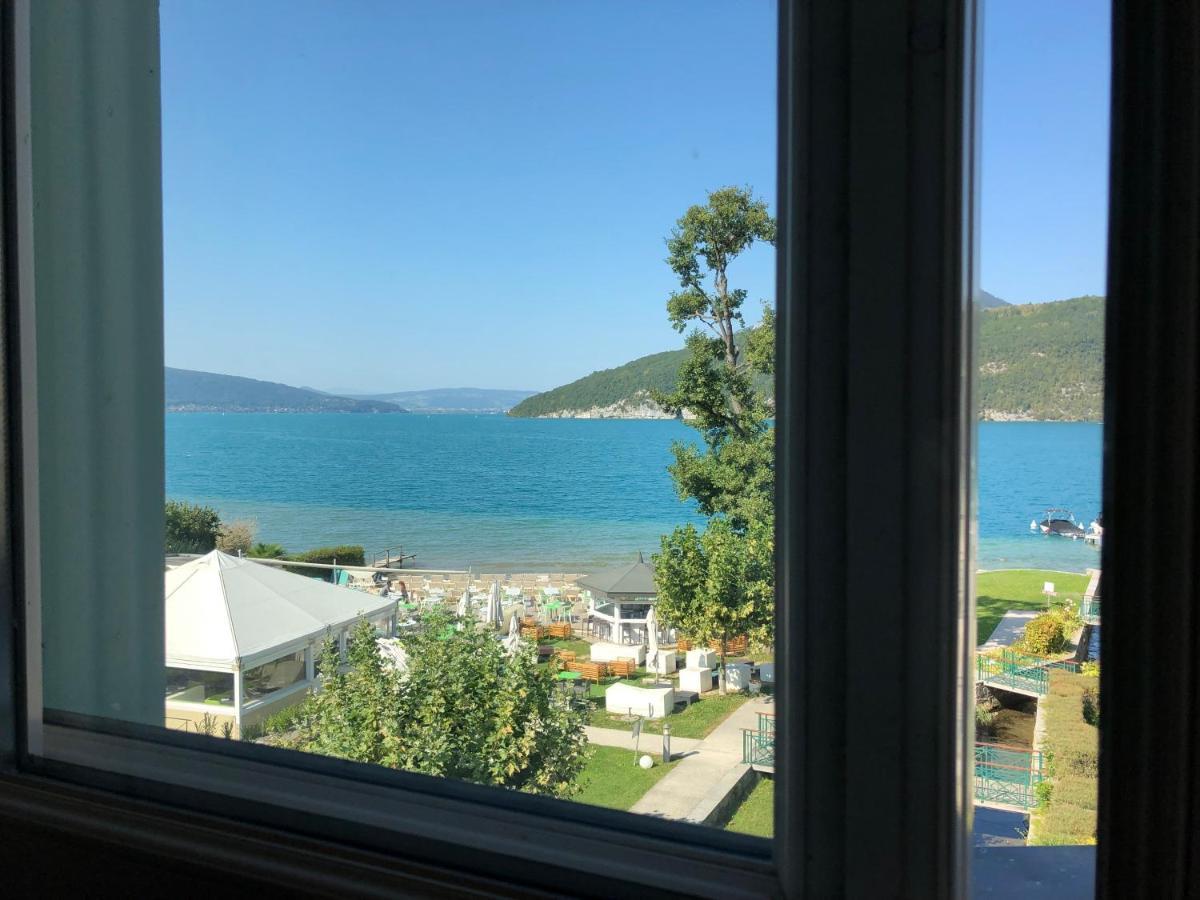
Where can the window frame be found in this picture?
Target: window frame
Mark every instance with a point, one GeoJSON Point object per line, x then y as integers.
{"type": "Point", "coordinates": [872, 137]}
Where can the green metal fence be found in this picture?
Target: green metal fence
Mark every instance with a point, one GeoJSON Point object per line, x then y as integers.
{"type": "Point", "coordinates": [1007, 776]}
{"type": "Point", "coordinates": [758, 747]}
{"type": "Point", "coordinates": [1089, 610]}
{"type": "Point", "coordinates": [1015, 671]}
{"type": "Point", "coordinates": [766, 722]}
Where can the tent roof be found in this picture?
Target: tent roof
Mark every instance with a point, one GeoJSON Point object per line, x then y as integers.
{"type": "Point", "coordinates": [223, 611]}
{"type": "Point", "coordinates": [633, 579]}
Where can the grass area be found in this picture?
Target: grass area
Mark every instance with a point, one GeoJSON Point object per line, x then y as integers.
{"type": "Point", "coordinates": [611, 778]}
{"type": "Point", "coordinates": [1066, 813]}
{"type": "Point", "coordinates": [756, 814]}
{"type": "Point", "coordinates": [581, 649]}
{"type": "Point", "coordinates": [697, 721]}
{"type": "Point", "coordinates": [998, 592]}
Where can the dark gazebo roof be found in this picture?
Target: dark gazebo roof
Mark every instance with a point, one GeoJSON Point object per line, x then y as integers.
{"type": "Point", "coordinates": [635, 579]}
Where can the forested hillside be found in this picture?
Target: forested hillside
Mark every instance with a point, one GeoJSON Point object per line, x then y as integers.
{"type": "Point", "coordinates": [1043, 361]}
{"type": "Point", "coordinates": [1037, 361]}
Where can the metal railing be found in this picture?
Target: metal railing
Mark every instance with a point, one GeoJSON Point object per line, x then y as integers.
{"type": "Point", "coordinates": [766, 722]}
{"type": "Point", "coordinates": [1089, 610]}
{"type": "Point", "coordinates": [1007, 776]}
{"type": "Point", "coordinates": [1013, 670]}
{"type": "Point", "coordinates": [758, 748]}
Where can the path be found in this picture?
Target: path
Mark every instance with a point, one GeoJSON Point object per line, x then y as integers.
{"type": "Point", "coordinates": [1010, 628]}
{"type": "Point", "coordinates": [650, 743]}
{"type": "Point", "coordinates": [701, 780]}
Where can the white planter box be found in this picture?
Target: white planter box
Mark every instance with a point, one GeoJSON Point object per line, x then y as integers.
{"type": "Point", "coordinates": [702, 659]}
{"type": "Point", "coordinates": [609, 652]}
{"type": "Point", "coordinates": [737, 676]}
{"type": "Point", "coordinates": [665, 664]}
{"type": "Point", "coordinates": [694, 679]}
{"type": "Point", "coordinates": [626, 700]}
{"type": "Point", "coordinates": [766, 673]}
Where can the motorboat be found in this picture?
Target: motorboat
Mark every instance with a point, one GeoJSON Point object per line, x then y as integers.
{"type": "Point", "coordinates": [1061, 522]}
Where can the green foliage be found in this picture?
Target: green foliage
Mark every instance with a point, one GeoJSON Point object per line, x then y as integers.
{"type": "Point", "coordinates": [717, 584]}
{"type": "Point", "coordinates": [345, 555]}
{"type": "Point", "coordinates": [462, 708]}
{"type": "Point", "coordinates": [191, 528]}
{"type": "Point", "coordinates": [1090, 669]}
{"type": "Point", "coordinates": [1043, 360]}
{"type": "Point", "coordinates": [267, 551]}
{"type": "Point", "coordinates": [235, 537]}
{"type": "Point", "coordinates": [1044, 635]}
{"type": "Point", "coordinates": [1067, 813]}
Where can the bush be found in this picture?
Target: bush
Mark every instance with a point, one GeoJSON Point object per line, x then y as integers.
{"type": "Point", "coordinates": [191, 528]}
{"type": "Point", "coordinates": [268, 551]}
{"type": "Point", "coordinates": [1044, 635]}
{"type": "Point", "coordinates": [345, 555]}
{"type": "Point", "coordinates": [1066, 813]}
{"type": "Point", "coordinates": [461, 708]}
{"type": "Point", "coordinates": [235, 537]}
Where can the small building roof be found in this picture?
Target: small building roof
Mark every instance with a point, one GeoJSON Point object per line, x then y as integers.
{"type": "Point", "coordinates": [635, 579]}
{"type": "Point", "coordinates": [224, 612]}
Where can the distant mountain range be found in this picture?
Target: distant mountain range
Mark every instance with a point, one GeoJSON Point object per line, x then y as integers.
{"type": "Point", "coordinates": [189, 391]}
{"type": "Point", "coordinates": [453, 400]}
{"type": "Point", "coordinates": [1039, 361]}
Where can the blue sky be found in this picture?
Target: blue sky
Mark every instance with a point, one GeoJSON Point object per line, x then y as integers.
{"type": "Point", "coordinates": [386, 196]}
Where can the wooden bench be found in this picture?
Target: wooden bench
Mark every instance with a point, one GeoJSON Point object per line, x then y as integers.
{"type": "Point", "coordinates": [622, 667]}
{"type": "Point", "coordinates": [735, 646]}
{"type": "Point", "coordinates": [560, 630]}
{"type": "Point", "coordinates": [536, 632]}
{"type": "Point", "coordinates": [566, 656]}
{"type": "Point", "coordinates": [588, 671]}
{"type": "Point", "coordinates": [683, 645]}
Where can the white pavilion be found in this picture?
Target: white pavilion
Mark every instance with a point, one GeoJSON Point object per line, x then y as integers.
{"type": "Point", "coordinates": [619, 601]}
{"type": "Point", "coordinates": [243, 638]}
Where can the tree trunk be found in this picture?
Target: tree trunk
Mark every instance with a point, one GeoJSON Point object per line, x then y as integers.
{"type": "Point", "coordinates": [721, 666]}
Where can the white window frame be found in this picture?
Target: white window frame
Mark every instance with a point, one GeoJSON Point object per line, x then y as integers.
{"type": "Point", "coordinates": [875, 279]}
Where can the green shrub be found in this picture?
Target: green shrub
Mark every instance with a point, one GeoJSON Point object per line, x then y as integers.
{"type": "Point", "coordinates": [1044, 635]}
{"type": "Point", "coordinates": [191, 528]}
{"type": "Point", "coordinates": [1091, 707]}
{"type": "Point", "coordinates": [345, 555]}
{"type": "Point", "coordinates": [1066, 813]}
{"type": "Point", "coordinates": [1091, 669]}
{"type": "Point", "coordinates": [268, 551]}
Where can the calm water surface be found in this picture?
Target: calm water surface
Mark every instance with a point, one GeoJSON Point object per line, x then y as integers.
{"type": "Point", "coordinates": [541, 494]}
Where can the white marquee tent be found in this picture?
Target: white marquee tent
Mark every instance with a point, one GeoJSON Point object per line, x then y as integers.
{"type": "Point", "coordinates": [263, 625]}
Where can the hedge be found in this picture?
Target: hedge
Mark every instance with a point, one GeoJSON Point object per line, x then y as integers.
{"type": "Point", "coordinates": [346, 555]}
{"type": "Point", "coordinates": [1071, 746]}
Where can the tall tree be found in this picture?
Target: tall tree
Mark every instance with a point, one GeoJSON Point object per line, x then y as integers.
{"type": "Point", "coordinates": [720, 583]}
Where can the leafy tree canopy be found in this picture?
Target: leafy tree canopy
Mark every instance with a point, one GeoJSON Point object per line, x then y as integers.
{"type": "Point", "coordinates": [191, 528]}
{"type": "Point", "coordinates": [461, 708]}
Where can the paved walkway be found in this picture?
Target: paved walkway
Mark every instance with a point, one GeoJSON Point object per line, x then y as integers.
{"type": "Point", "coordinates": [650, 743]}
{"type": "Point", "coordinates": [1010, 629]}
{"type": "Point", "coordinates": [689, 790]}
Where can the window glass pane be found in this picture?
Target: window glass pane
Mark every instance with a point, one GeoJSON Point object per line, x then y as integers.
{"type": "Point", "coordinates": [1040, 395]}
{"type": "Point", "coordinates": [277, 675]}
{"type": "Point", "coordinates": [506, 296]}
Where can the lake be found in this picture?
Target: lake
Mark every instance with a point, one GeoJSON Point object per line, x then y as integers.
{"type": "Point", "coordinates": [548, 494]}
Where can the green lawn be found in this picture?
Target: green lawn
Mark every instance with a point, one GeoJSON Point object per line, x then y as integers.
{"type": "Point", "coordinates": [697, 721]}
{"type": "Point", "coordinates": [998, 592]}
{"type": "Point", "coordinates": [581, 649]}
{"type": "Point", "coordinates": [756, 814]}
{"type": "Point", "coordinates": [611, 777]}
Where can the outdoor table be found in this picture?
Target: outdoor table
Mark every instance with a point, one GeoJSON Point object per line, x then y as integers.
{"type": "Point", "coordinates": [552, 607]}
{"type": "Point", "coordinates": [568, 676]}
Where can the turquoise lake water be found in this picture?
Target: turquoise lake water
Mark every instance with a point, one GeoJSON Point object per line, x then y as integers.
{"type": "Point", "coordinates": [549, 494]}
